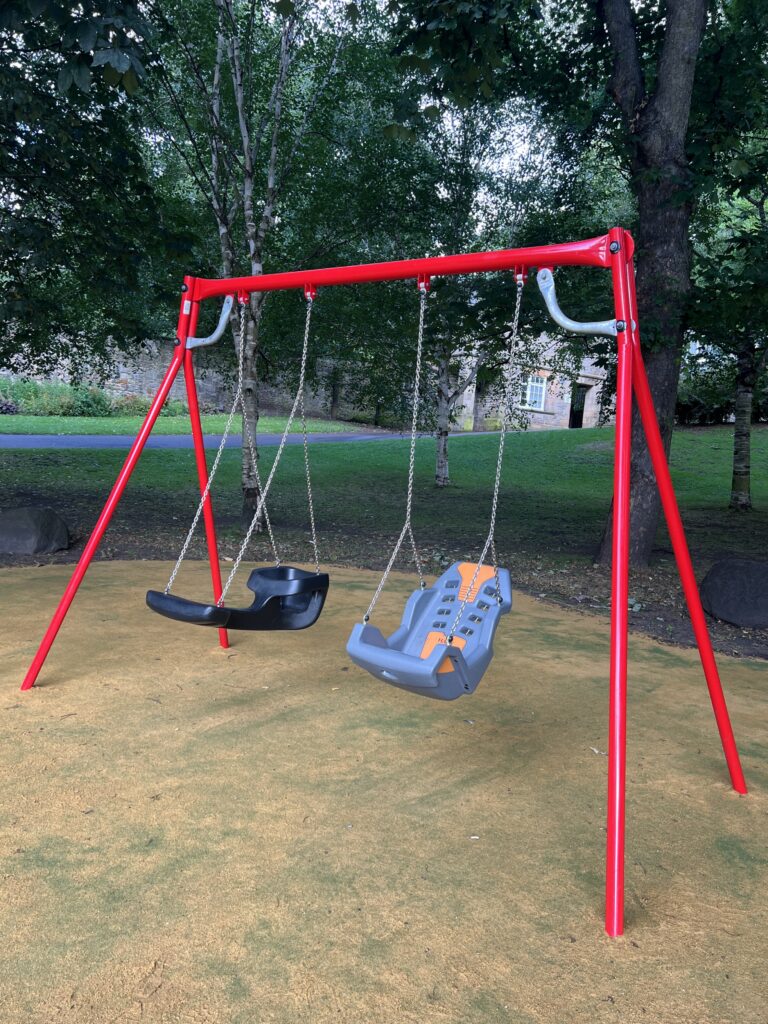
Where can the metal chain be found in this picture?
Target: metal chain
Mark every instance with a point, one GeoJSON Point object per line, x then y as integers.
{"type": "Point", "coordinates": [255, 463]}
{"type": "Point", "coordinates": [407, 530]}
{"type": "Point", "coordinates": [237, 401]}
{"type": "Point", "coordinates": [310, 500]}
{"type": "Point", "coordinates": [263, 491]}
{"type": "Point", "coordinates": [490, 541]}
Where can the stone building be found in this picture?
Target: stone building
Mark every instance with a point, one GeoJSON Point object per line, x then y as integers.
{"type": "Point", "coordinates": [549, 402]}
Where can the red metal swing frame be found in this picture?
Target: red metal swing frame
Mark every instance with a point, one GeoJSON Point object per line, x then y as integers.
{"type": "Point", "coordinates": [613, 251]}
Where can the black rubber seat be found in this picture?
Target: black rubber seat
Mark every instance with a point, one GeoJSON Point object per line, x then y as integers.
{"type": "Point", "coordinates": [285, 598]}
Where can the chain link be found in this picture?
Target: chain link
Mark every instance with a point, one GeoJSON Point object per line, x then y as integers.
{"type": "Point", "coordinates": [237, 401]}
{"type": "Point", "coordinates": [490, 541]}
{"type": "Point", "coordinates": [310, 500]}
{"type": "Point", "coordinates": [263, 491]}
{"type": "Point", "coordinates": [407, 530]}
{"type": "Point", "coordinates": [255, 463]}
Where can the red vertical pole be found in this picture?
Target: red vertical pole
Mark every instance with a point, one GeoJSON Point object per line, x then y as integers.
{"type": "Point", "coordinates": [103, 520]}
{"type": "Point", "coordinates": [617, 714]}
{"type": "Point", "coordinates": [682, 554]}
{"type": "Point", "coordinates": [202, 475]}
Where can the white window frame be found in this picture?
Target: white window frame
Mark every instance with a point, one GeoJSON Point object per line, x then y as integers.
{"type": "Point", "coordinates": [535, 382]}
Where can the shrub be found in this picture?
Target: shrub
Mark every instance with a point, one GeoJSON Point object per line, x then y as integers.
{"type": "Point", "coordinates": [90, 402]}
{"type": "Point", "coordinates": [46, 399]}
{"type": "Point", "coordinates": [173, 407]}
{"type": "Point", "coordinates": [7, 406]}
{"type": "Point", "coordinates": [131, 405]}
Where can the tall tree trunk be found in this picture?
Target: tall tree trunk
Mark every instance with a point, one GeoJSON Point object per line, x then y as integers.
{"type": "Point", "coordinates": [442, 474]}
{"type": "Point", "coordinates": [478, 415]}
{"type": "Point", "coordinates": [657, 124]}
{"type": "Point", "coordinates": [335, 394]}
{"type": "Point", "coordinates": [663, 286]}
{"type": "Point", "coordinates": [249, 476]}
{"type": "Point", "coordinates": [444, 406]}
{"type": "Point", "coordinates": [741, 498]}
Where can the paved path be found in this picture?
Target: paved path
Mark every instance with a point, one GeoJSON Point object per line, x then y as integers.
{"type": "Point", "coordinates": [18, 441]}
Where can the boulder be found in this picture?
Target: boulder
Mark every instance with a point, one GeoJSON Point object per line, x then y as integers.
{"type": "Point", "coordinates": [32, 531]}
{"type": "Point", "coordinates": [736, 591]}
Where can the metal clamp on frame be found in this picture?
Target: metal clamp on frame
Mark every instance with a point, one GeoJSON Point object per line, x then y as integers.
{"type": "Point", "coordinates": [221, 326]}
{"type": "Point", "coordinates": [546, 283]}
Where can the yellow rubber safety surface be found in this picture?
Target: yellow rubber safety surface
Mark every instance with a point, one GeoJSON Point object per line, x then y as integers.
{"type": "Point", "coordinates": [267, 834]}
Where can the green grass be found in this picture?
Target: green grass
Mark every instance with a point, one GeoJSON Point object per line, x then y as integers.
{"type": "Point", "coordinates": [556, 490]}
{"type": "Point", "coordinates": [212, 424]}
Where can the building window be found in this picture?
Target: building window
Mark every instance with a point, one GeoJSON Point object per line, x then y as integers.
{"type": "Point", "coordinates": [535, 390]}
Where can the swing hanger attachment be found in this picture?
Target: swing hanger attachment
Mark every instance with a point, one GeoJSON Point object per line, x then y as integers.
{"type": "Point", "coordinates": [423, 282]}
{"type": "Point", "coordinates": [310, 292]}
{"type": "Point", "coordinates": [221, 326]}
{"type": "Point", "coordinates": [601, 328]}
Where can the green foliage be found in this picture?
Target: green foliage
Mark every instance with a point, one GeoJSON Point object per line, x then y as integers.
{"type": "Point", "coordinates": [81, 218]}
{"type": "Point", "coordinates": [97, 41]}
{"type": "Point", "coordinates": [558, 56]}
{"type": "Point", "coordinates": [46, 398]}
{"type": "Point", "coordinates": [174, 407]}
{"type": "Point", "coordinates": [706, 392]}
{"type": "Point", "coordinates": [90, 402]}
{"type": "Point", "coordinates": [130, 405]}
{"type": "Point", "coordinates": [37, 399]}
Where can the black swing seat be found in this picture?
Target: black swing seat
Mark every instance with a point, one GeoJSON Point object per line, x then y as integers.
{"type": "Point", "coordinates": [286, 598]}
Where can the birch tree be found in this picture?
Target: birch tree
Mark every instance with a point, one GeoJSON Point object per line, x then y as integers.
{"type": "Point", "coordinates": [242, 88]}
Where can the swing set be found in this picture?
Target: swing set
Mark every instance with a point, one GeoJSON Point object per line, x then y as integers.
{"type": "Point", "coordinates": [444, 643]}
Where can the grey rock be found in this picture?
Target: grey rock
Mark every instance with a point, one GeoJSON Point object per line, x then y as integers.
{"type": "Point", "coordinates": [32, 531]}
{"type": "Point", "coordinates": [736, 591]}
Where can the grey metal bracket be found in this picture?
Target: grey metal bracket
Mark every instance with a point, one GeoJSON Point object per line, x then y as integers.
{"type": "Point", "coordinates": [546, 283]}
{"type": "Point", "coordinates": [221, 326]}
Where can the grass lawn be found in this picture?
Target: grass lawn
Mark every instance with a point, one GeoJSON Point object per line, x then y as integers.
{"type": "Point", "coordinates": [556, 491]}
{"type": "Point", "coordinates": [212, 424]}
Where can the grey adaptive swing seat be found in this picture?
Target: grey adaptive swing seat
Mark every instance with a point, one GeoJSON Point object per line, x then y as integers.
{"type": "Point", "coordinates": [416, 656]}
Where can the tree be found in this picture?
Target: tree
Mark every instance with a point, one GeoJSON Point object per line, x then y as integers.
{"type": "Point", "coordinates": [729, 316]}
{"type": "Point", "coordinates": [240, 90]}
{"type": "Point", "coordinates": [79, 220]}
{"type": "Point", "coordinates": [480, 203]}
{"type": "Point", "coordinates": [645, 58]}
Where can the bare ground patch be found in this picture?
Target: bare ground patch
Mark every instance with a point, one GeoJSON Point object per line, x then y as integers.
{"type": "Point", "coordinates": [267, 834]}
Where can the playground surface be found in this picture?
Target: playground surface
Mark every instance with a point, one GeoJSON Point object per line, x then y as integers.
{"type": "Point", "coordinates": [202, 836]}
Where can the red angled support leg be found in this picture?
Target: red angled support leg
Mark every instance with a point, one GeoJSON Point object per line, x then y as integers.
{"type": "Point", "coordinates": [617, 726]}
{"type": "Point", "coordinates": [103, 521]}
{"type": "Point", "coordinates": [682, 554]}
{"type": "Point", "coordinates": [202, 476]}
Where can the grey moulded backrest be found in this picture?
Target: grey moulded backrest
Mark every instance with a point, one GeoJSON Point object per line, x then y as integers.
{"type": "Point", "coordinates": [416, 656]}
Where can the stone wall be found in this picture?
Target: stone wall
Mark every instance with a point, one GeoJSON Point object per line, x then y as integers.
{"type": "Point", "coordinates": [142, 373]}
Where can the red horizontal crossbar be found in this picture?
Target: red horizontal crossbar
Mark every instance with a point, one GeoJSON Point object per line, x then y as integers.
{"type": "Point", "coordinates": [593, 252]}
